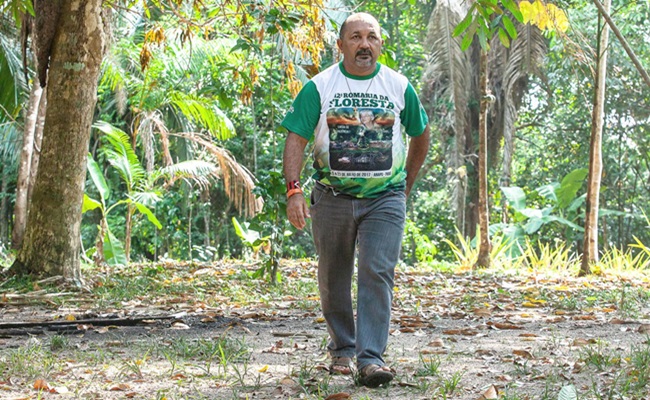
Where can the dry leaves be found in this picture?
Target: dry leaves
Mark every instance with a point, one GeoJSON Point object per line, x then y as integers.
{"type": "Point", "coordinates": [490, 394]}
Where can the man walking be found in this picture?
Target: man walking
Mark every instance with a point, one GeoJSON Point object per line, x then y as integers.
{"type": "Point", "coordinates": [359, 199]}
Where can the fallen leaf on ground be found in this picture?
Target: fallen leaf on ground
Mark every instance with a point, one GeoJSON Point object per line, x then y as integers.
{"type": "Point", "coordinates": [504, 325]}
{"type": "Point", "coordinates": [41, 384]}
{"type": "Point", "coordinates": [490, 393]}
{"type": "Point", "coordinates": [120, 387]}
{"type": "Point", "coordinates": [59, 390]}
{"type": "Point", "coordinates": [466, 332]}
{"type": "Point", "coordinates": [482, 312]}
{"type": "Point", "coordinates": [618, 321]}
{"type": "Point", "coordinates": [180, 325]}
{"type": "Point", "coordinates": [644, 328]}
{"type": "Point", "coordinates": [338, 396]}
{"type": "Point", "coordinates": [434, 351]}
{"type": "Point", "coordinates": [523, 353]}
{"type": "Point", "coordinates": [437, 342]}
{"type": "Point", "coordinates": [582, 342]}
{"type": "Point", "coordinates": [583, 317]}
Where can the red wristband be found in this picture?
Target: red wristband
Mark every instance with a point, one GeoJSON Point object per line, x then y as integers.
{"type": "Point", "coordinates": [293, 185]}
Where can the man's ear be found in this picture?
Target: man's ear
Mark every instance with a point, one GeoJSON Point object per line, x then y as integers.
{"type": "Point", "coordinates": [339, 44]}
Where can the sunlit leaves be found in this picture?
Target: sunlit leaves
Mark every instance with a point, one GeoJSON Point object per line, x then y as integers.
{"type": "Point", "coordinates": [485, 19]}
{"type": "Point", "coordinates": [205, 114]}
{"type": "Point", "coordinates": [17, 7]}
{"type": "Point", "coordinates": [114, 253]}
{"type": "Point", "coordinates": [293, 84]}
{"type": "Point", "coordinates": [545, 16]}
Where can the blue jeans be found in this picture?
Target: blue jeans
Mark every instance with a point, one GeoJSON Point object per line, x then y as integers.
{"type": "Point", "coordinates": [374, 227]}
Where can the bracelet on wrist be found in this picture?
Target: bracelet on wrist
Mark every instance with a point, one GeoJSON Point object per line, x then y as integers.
{"type": "Point", "coordinates": [293, 192]}
{"type": "Point", "coordinates": [293, 185]}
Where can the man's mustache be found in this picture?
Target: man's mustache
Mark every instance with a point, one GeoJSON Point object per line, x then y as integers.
{"type": "Point", "coordinates": [364, 53]}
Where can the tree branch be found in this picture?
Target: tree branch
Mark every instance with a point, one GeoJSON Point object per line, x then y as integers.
{"type": "Point", "coordinates": [621, 39]}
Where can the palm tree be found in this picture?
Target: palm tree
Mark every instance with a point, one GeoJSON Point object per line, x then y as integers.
{"type": "Point", "coordinates": [143, 189]}
{"type": "Point", "coordinates": [165, 104]}
{"type": "Point", "coordinates": [452, 96]}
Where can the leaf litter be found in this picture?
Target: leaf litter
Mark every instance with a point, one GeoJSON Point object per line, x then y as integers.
{"type": "Point", "coordinates": [469, 335]}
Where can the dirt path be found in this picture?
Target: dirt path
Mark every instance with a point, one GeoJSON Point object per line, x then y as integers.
{"type": "Point", "coordinates": [455, 336]}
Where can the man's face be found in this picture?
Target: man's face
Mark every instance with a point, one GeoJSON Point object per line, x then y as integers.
{"type": "Point", "coordinates": [361, 44]}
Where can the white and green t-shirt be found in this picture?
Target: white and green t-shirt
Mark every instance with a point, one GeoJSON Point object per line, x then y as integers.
{"type": "Point", "coordinates": [356, 123]}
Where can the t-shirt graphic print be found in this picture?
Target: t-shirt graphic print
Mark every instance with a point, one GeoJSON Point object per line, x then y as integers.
{"type": "Point", "coordinates": [360, 142]}
{"type": "Point", "coordinates": [357, 124]}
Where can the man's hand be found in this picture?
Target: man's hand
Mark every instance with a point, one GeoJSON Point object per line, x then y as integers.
{"type": "Point", "coordinates": [297, 211]}
{"type": "Point", "coordinates": [418, 148]}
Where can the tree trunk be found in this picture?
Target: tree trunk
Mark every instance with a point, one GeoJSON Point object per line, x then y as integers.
{"type": "Point", "coordinates": [206, 206]}
{"type": "Point", "coordinates": [604, 11]}
{"type": "Point", "coordinates": [130, 210]}
{"type": "Point", "coordinates": [38, 143]}
{"type": "Point", "coordinates": [590, 249]}
{"type": "Point", "coordinates": [483, 260]}
{"type": "Point", "coordinates": [52, 237]}
{"type": "Point", "coordinates": [22, 184]}
{"type": "Point", "coordinates": [4, 209]}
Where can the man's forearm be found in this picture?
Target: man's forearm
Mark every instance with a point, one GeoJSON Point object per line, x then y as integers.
{"type": "Point", "coordinates": [418, 149]}
{"type": "Point", "coordinates": [293, 157]}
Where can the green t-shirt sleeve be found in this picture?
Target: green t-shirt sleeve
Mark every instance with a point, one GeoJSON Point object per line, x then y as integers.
{"type": "Point", "coordinates": [413, 116]}
{"type": "Point", "coordinates": [304, 113]}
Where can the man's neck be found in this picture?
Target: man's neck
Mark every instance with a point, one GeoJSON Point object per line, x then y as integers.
{"type": "Point", "coordinates": [353, 69]}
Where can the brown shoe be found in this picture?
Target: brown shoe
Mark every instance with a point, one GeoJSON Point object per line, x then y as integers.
{"type": "Point", "coordinates": [341, 366]}
{"type": "Point", "coordinates": [373, 375]}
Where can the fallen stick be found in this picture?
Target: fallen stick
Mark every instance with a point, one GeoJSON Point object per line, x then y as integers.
{"type": "Point", "coordinates": [129, 321]}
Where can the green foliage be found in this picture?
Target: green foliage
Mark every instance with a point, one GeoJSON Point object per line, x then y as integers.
{"type": "Point", "coordinates": [485, 19]}
{"type": "Point", "coordinates": [560, 204]}
{"type": "Point", "coordinates": [249, 237]}
{"type": "Point", "coordinates": [417, 245]}
{"type": "Point", "coordinates": [557, 203]}
{"type": "Point", "coordinates": [272, 220]}
{"type": "Point", "coordinates": [122, 158]}
{"type": "Point", "coordinates": [17, 8]}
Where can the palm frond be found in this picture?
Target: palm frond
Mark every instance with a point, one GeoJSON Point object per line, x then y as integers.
{"type": "Point", "coordinates": [447, 85]}
{"type": "Point", "coordinates": [205, 113]}
{"type": "Point", "coordinates": [525, 57]}
{"type": "Point", "coordinates": [120, 154]}
{"type": "Point", "coordinates": [147, 197]}
{"type": "Point", "coordinates": [196, 171]}
{"type": "Point", "coordinates": [11, 76]}
{"type": "Point", "coordinates": [148, 123]}
{"type": "Point", "coordinates": [238, 182]}
{"type": "Point", "coordinates": [11, 139]}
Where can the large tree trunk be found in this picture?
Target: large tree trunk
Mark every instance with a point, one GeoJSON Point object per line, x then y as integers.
{"type": "Point", "coordinates": [22, 184]}
{"type": "Point", "coordinates": [483, 260]}
{"type": "Point", "coordinates": [590, 250]}
{"type": "Point", "coordinates": [52, 238]}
